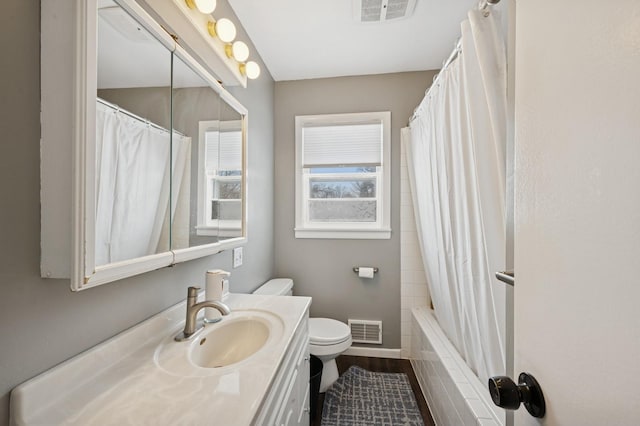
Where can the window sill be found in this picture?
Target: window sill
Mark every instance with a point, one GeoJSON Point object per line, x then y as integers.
{"type": "Point", "coordinates": [223, 228]}
{"type": "Point", "coordinates": [206, 231]}
{"type": "Point", "coordinates": [351, 234]}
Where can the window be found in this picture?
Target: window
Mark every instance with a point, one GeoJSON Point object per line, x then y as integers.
{"type": "Point", "coordinates": [220, 178]}
{"type": "Point", "coordinates": [343, 176]}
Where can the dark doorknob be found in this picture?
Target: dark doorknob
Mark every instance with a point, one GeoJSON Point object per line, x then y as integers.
{"type": "Point", "coordinates": [506, 394]}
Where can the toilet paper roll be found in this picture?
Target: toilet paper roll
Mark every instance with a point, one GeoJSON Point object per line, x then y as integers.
{"type": "Point", "coordinates": [365, 272]}
{"type": "Point", "coordinates": [214, 283]}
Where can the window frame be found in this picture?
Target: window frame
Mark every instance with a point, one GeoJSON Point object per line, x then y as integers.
{"type": "Point", "coordinates": [380, 229]}
{"type": "Point", "coordinates": [208, 185]}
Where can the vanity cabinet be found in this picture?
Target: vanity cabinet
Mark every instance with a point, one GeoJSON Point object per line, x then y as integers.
{"type": "Point", "coordinates": [287, 402]}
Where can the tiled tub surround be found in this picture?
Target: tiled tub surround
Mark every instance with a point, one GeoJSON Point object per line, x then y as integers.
{"type": "Point", "coordinates": [119, 382]}
{"type": "Point", "coordinates": [453, 392]}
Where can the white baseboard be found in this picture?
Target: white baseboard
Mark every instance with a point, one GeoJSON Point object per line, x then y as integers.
{"type": "Point", "coordinates": [373, 352]}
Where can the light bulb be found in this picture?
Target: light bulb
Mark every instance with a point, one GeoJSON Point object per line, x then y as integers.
{"type": "Point", "coordinates": [223, 29]}
{"type": "Point", "coordinates": [204, 6]}
{"type": "Point", "coordinates": [250, 69]}
{"type": "Point", "coordinates": [239, 50]}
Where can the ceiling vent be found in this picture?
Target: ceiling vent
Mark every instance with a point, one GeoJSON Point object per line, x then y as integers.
{"type": "Point", "coordinates": [382, 10]}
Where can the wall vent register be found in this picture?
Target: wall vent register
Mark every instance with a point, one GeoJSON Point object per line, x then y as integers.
{"type": "Point", "coordinates": [364, 331]}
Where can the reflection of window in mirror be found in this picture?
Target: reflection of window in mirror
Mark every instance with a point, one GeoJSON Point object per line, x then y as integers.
{"type": "Point", "coordinates": [194, 102]}
{"type": "Point", "coordinates": [220, 178]}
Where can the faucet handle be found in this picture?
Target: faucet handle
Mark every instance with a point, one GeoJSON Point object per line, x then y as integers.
{"type": "Point", "coordinates": [193, 291]}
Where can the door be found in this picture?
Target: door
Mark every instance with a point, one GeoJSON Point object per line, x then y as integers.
{"type": "Point", "coordinates": [577, 208]}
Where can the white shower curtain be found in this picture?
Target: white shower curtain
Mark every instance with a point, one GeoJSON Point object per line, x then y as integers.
{"type": "Point", "coordinates": [132, 184]}
{"type": "Point", "coordinates": [455, 148]}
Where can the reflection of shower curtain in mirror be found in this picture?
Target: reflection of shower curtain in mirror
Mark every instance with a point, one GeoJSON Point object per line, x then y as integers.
{"type": "Point", "coordinates": [132, 184]}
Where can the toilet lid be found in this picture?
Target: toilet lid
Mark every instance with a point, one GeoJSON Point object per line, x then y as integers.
{"type": "Point", "coordinates": [326, 331]}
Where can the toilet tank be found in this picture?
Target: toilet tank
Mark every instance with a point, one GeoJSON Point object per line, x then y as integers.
{"type": "Point", "coordinates": [276, 287]}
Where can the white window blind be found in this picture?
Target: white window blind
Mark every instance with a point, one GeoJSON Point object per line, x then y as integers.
{"type": "Point", "coordinates": [211, 151]}
{"type": "Point", "coordinates": [343, 144]}
{"type": "Point", "coordinates": [223, 150]}
{"type": "Point", "coordinates": [230, 150]}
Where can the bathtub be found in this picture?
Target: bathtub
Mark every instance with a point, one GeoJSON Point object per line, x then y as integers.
{"type": "Point", "coordinates": [453, 392]}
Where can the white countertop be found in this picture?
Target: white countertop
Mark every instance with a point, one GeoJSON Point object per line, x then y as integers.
{"type": "Point", "coordinates": [119, 382]}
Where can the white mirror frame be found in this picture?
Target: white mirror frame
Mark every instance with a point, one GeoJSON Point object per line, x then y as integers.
{"type": "Point", "coordinates": [68, 88]}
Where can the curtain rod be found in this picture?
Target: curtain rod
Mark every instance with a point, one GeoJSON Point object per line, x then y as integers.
{"type": "Point", "coordinates": [482, 5]}
{"type": "Point", "coordinates": [135, 117]}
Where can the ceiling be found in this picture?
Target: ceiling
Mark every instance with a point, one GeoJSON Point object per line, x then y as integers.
{"type": "Point", "coordinates": [302, 39]}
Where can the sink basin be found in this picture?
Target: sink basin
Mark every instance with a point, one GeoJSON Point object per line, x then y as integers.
{"type": "Point", "coordinates": [230, 342]}
{"type": "Point", "coordinates": [238, 338]}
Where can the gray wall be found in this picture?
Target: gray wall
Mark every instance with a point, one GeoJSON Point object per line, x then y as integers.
{"type": "Point", "coordinates": [43, 323]}
{"type": "Point", "coordinates": [322, 268]}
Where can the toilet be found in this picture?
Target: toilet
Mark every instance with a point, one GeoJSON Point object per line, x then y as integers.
{"type": "Point", "coordinates": [328, 338]}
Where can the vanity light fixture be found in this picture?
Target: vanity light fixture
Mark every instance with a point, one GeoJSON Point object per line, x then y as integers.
{"type": "Point", "coordinates": [250, 69]}
{"type": "Point", "coordinates": [204, 6]}
{"type": "Point", "coordinates": [223, 29]}
{"type": "Point", "coordinates": [213, 38]}
{"type": "Point", "coordinates": [238, 51]}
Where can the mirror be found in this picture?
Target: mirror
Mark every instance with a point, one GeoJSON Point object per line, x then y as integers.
{"type": "Point", "coordinates": [133, 140]}
{"type": "Point", "coordinates": [178, 189]}
{"type": "Point", "coordinates": [209, 196]}
{"type": "Point", "coordinates": [141, 147]}
{"type": "Point", "coordinates": [196, 114]}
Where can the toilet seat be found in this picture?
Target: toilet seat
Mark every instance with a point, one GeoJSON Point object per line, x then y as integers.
{"type": "Point", "coordinates": [330, 351]}
{"type": "Point", "coordinates": [327, 332]}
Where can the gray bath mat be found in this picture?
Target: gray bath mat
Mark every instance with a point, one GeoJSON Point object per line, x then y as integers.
{"type": "Point", "coordinates": [364, 398]}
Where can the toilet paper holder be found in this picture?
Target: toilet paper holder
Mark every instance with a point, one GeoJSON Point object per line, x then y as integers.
{"type": "Point", "coordinates": [356, 269]}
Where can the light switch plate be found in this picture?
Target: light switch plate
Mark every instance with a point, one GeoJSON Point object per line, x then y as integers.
{"type": "Point", "coordinates": [237, 257]}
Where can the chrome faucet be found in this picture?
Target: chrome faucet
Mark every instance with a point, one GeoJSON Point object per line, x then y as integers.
{"type": "Point", "coordinates": [192, 312]}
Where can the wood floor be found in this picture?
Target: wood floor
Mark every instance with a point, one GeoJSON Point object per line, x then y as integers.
{"type": "Point", "coordinates": [382, 365]}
